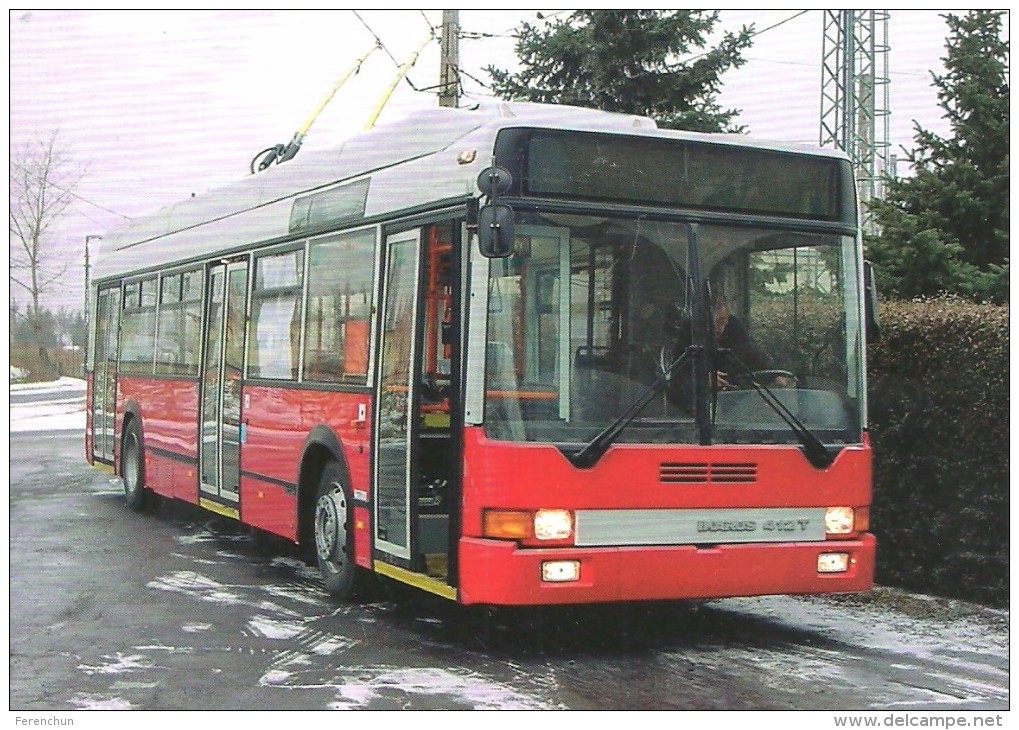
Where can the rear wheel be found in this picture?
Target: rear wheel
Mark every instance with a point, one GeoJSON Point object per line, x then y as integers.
{"type": "Point", "coordinates": [334, 535]}
{"type": "Point", "coordinates": [132, 467]}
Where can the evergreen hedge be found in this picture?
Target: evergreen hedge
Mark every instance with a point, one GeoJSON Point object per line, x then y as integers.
{"type": "Point", "coordinates": [938, 399]}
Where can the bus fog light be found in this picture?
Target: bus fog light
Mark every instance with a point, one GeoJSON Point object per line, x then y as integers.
{"type": "Point", "coordinates": [560, 571]}
{"type": "Point", "coordinates": [553, 524]}
{"type": "Point", "coordinates": [838, 520]}
{"type": "Point", "coordinates": [833, 562]}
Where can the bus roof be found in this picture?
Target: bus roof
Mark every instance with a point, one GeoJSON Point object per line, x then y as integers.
{"type": "Point", "coordinates": [411, 163]}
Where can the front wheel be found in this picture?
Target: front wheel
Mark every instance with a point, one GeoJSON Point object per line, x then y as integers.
{"type": "Point", "coordinates": [132, 467]}
{"type": "Point", "coordinates": [334, 536]}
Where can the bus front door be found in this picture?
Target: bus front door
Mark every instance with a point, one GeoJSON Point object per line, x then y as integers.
{"type": "Point", "coordinates": [394, 465]}
{"type": "Point", "coordinates": [413, 461]}
{"type": "Point", "coordinates": [222, 370]}
{"type": "Point", "coordinates": [104, 383]}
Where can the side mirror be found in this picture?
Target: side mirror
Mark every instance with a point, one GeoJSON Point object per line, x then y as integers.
{"type": "Point", "coordinates": [495, 221]}
{"type": "Point", "coordinates": [495, 231]}
{"type": "Point", "coordinates": [872, 323]}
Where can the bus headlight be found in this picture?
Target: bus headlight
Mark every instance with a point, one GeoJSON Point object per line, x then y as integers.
{"type": "Point", "coordinates": [553, 524]}
{"type": "Point", "coordinates": [838, 520]}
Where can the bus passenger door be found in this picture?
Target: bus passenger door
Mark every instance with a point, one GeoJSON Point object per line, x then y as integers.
{"type": "Point", "coordinates": [416, 474]}
{"type": "Point", "coordinates": [104, 383]}
{"type": "Point", "coordinates": [222, 369]}
{"type": "Point", "coordinates": [397, 391]}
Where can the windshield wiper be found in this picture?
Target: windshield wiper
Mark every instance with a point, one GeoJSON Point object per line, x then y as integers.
{"type": "Point", "coordinates": [589, 455]}
{"type": "Point", "coordinates": [816, 452]}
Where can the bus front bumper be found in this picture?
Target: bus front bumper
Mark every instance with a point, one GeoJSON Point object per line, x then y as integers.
{"type": "Point", "coordinates": [497, 572]}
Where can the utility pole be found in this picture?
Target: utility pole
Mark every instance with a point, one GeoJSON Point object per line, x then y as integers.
{"type": "Point", "coordinates": [88, 283]}
{"type": "Point", "coordinates": [449, 63]}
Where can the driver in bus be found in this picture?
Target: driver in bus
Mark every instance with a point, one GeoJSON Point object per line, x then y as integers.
{"type": "Point", "coordinates": [743, 353]}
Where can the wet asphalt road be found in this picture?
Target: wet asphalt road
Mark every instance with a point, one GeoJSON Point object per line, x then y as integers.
{"type": "Point", "coordinates": [178, 609]}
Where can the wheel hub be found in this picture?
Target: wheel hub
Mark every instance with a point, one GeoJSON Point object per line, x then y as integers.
{"type": "Point", "coordinates": [131, 462]}
{"type": "Point", "coordinates": [330, 526]}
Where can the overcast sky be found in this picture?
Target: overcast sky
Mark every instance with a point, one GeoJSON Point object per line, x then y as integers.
{"type": "Point", "coordinates": [163, 104]}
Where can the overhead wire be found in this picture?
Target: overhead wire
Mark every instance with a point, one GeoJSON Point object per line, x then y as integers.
{"type": "Point", "coordinates": [508, 34]}
{"type": "Point", "coordinates": [781, 22]}
{"type": "Point", "coordinates": [431, 30]}
{"type": "Point", "coordinates": [427, 21]}
{"type": "Point", "coordinates": [281, 153]}
{"type": "Point", "coordinates": [376, 37]}
{"type": "Point", "coordinates": [753, 34]}
{"type": "Point", "coordinates": [71, 192]}
{"type": "Point", "coordinates": [402, 73]}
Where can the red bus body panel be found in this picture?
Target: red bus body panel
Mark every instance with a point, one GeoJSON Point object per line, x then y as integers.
{"type": "Point", "coordinates": [169, 414]}
{"type": "Point", "coordinates": [277, 424]}
{"type": "Point", "coordinates": [504, 475]}
{"type": "Point", "coordinates": [497, 572]}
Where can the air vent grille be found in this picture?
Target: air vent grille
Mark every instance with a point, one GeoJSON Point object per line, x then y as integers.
{"type": "Point", "coordinates": [677, 473]}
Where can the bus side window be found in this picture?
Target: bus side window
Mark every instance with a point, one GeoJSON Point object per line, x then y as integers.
{"type": "Point", "coordinates": [276, 316]}
{"type": "Point", "coordinates": [138, 331]}
{"type": "Point", "coordinates": [341, 280]}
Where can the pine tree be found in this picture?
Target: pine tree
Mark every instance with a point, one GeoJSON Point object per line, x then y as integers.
{"type": "Point", "coordinates": [646, 62]}
{"type": "Point", "coordinates": [945, 229]}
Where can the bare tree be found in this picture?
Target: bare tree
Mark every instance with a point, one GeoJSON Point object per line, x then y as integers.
{"type": "Point", "coordinates": [42, 184]}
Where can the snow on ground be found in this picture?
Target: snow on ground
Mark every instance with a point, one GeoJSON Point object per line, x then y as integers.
{"type": "Point", "coordinates": [893, 620]}
{"type": "Point", "coordinates": [62, 410]}
{"type": "Point", "coordinates": [61, 384]}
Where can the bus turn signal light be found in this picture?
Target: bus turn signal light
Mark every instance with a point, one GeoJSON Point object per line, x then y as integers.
{"type": "Point", "coordinates": [507, 524]}
{"type": "Point", "coordinates": [545, 527]}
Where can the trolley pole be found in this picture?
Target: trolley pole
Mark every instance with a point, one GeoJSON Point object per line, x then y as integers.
{"type": "Point", "coordinates": [449, 64]}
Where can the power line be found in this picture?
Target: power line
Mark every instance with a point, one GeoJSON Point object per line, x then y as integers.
{"type": "Point", "coordinates": [382, 45]}
{"type": "Point", "coordinates": [753, 35]}
{"type": "Point", "coordinates": [781, 22]}
{"type": "Point", "coordinates": [427, 21]}
{"type": "Point", "coordinates": [71, 192]}
{"type": "Point", "coordinates": [376, 37]}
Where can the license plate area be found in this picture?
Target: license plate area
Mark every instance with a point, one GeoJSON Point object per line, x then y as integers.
{"type": "Point", "coordinates": [698, 526]}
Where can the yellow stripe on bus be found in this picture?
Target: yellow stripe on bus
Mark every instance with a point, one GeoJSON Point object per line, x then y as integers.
{"type": "Point", "coordinates": [105, 468]}
{"type": "Point", "coordinates": [220, 509]}
{"type": "Point", "coordinates": [417, 580]}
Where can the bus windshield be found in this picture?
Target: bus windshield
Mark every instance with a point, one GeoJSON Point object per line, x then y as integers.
{"type": "Point", "coordinates": [590, 310]}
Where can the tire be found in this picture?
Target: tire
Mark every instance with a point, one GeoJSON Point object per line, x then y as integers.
{"type": "Point", "coordinates": [132, 467]}
{"type": "Point", "coordinates": [334, 534]}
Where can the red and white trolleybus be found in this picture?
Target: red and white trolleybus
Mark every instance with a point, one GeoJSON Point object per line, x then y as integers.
{"type": "Point", "coordinates": [520, 354]}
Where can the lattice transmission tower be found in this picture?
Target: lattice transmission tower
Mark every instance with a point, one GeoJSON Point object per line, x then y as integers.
{"type": "Point", "coordinates": [854, 97]}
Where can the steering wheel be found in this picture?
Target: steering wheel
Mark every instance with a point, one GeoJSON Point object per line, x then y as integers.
{"type": "Point", "coordinates": [745, 380]}
{"type": "Point", "coordinates": [666, 357]}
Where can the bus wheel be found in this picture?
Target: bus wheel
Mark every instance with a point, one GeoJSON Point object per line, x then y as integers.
{"type": "Point", "coordinates": [334, 538]}
{"type": "Point", "coordinates": [132, 467]}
